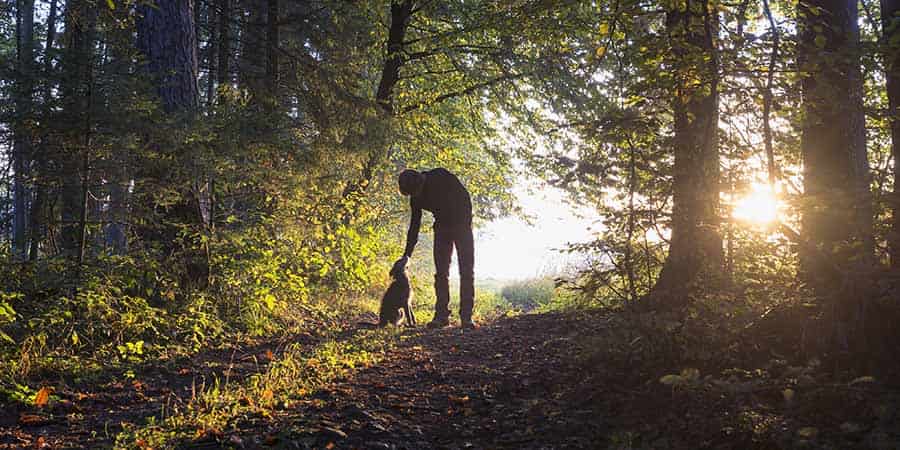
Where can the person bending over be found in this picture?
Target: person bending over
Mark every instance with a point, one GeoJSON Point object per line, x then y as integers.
{"type": "Point", "coordinates": [441, 193]}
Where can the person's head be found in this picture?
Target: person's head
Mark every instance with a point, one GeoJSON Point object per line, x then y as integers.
{"type": "Point", "coordinates": [411, 182]}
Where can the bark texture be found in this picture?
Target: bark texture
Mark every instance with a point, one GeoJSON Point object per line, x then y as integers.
{"type": "Point", "coordinates": [696, 244]}
{"type": "Point", "coordinates": [76, 87]}
{"type": "Point", "coordinates": [837, 209]}
{"type": "Point", "coordinates": [168, 42]}
{"type": "Point", "coordinates": [22, 145]}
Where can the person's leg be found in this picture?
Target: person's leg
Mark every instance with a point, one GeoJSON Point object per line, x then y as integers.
{"type": "Point", "coordinates": [443, 251]}
{"type": "Point", "coordinates": [465, 251]}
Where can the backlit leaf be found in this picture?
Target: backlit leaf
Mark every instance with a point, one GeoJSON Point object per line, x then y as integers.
{"type": "Point", "coordinates": [42, 396]}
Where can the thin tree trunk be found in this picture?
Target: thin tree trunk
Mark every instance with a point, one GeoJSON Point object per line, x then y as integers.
{"type": "Point", "coordinates": [629, 259]}
{"type": "Point", "coordinates": [890, 25]}
{"type": "Point", "coordinates": [767, 98]}
{"type": "Point", "coordinates": [37, 209]}
{"type": "Point", "coordinates": [78, 67]}
{"type": "Point", "coordinates": [401, 15]}
{"type": "Point", "coordinates": [224, 42]}
{"type": "Point", "coordinates": [272, 49]}
{"type": "Point", "coordinates": [22, 147]}
{"type": "Point", "coordinates": [251, 73]}
{"type": "Point", "coordinates": [212, 48]}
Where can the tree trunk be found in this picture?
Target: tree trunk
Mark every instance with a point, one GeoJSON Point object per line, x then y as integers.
{"type": "Point", "coordinates": [22, 145]}
{"type": "Point", "coordinates": [252, 60]}
{"type": "Point", "coordinates": [376, 139]}
{"type": "Point", "coordinates": [36, 221]}
{"type": "Point", "coordinates": [76, 91]}
{"type": "Point", "coordinates": [224, 42]}
{"type": "Point", "coordinates": [168, 42]}
{"type": "Point", "coordinates": [837, 209]}
{"type": "Point", "coordinates": [890, 24]}
{"type": "Point", "coordinates": [272, 49]}
{"type": "Point", "coordinates": [695, 249]}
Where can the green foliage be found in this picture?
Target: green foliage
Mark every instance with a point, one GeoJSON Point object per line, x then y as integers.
{"type": "Point", "coordinates": [529, 294]}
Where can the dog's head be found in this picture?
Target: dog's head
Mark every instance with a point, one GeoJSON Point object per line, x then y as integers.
{"type": "Point", "coordinates": [398, 273]}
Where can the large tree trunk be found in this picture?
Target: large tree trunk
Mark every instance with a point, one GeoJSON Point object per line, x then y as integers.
{"type": "Point", "coordinates": [22, 146]}
{"type": "Point", "coordinates": [837, 209]}
{"type": "Point", "coordinates": [890, 24]}
{"type": "Point", "coordinates": [837, 205]}
{"type": "Point", "coordinates": [168, 42]}
{"type": "Point", "coordinates": [695, 249]}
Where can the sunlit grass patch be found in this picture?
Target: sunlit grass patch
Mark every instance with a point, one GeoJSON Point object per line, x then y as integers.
{"type": "Point", "coordinates": [217, 408]}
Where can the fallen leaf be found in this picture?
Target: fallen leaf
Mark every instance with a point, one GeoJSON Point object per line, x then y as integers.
{"type": "Point", "coordinates": [808, 432]}
{"type": "Point", "coordinates": [788, 395]}
{"type": "Point", "coordinates": [859, 380]}
{"type": "Point", "coordinates": [42, 396]}
{"type": "Point", "coordinates": [32, 420]}
{"type": "Point", "coordinates": [671, 379]}
{"type": "Point", "coordinates": [455, 399]}
{"type": "Point", "coordinates": [269, 355]}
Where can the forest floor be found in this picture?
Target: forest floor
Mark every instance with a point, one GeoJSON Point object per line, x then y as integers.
{"type": "Point", "coordinates": [555, 380]}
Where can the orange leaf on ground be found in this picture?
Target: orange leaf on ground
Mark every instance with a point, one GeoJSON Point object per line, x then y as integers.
{"type": "Point", "coordinates": [32, 420]}
{"type": "Point", "coordinates": [42, 396]}
{"type": "Point", "coordinates": [455, 399]}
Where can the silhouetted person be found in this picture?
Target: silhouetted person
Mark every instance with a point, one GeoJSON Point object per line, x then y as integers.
{"type": "Point", "coordinates": [441, 193]}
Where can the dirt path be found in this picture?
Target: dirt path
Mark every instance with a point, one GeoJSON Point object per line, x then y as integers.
{"type": "Point", "coordinates": [504, 385]}
{"type": "Point", "coordinates": [575, 380]}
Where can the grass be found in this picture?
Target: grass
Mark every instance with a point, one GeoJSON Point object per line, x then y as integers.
{"type": "Point", "coordinates": [217, 409]}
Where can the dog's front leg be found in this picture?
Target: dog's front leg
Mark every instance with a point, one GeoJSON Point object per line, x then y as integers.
{"type": "Point", "coordinates": [410, 317]}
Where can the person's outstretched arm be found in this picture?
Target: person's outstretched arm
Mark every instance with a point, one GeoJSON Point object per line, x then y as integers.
{"type": "Point", "coordinates": [412, 236]}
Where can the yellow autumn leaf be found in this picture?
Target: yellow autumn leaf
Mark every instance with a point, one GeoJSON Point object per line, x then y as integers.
{"type": "Point", "coordinates": [603, 29]}
{"type": "Point", "coordinates": [671, 379]}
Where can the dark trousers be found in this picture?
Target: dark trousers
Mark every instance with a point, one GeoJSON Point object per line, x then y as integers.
{"type": "Point", "coordinates": [445, 238]}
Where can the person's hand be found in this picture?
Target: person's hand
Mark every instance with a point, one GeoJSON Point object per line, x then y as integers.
{"type": "Point", "coordinates": [400, 265]}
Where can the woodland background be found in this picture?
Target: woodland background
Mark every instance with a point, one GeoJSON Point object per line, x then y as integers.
{"type": "Point", "coordinates": [179, 174]}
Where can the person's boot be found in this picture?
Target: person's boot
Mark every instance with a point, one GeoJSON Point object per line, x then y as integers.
{"type": "Point", "coordinates": [439, 322]}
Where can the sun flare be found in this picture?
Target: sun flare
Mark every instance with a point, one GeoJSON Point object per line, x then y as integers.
{"type": "Point", "coordinates": [759, 205]}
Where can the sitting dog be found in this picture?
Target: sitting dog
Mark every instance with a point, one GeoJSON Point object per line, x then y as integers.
{"type": "Point", "coordinates": [397, 301]}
